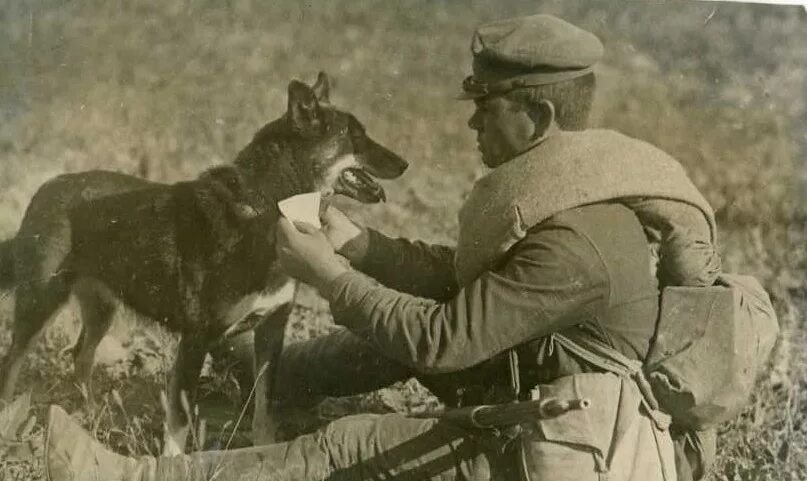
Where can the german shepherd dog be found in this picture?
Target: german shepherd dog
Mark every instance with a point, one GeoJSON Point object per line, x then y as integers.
{"type": "Point", "coordinates": [196, 256]}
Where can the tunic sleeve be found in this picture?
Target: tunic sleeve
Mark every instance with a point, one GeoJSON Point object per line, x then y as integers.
{"type": "Point", "coordinates": [552, 279]}
{"type": "Point", "coordinates": [411, 267]}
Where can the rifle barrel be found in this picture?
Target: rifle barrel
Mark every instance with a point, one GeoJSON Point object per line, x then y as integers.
{"type": "Point", "coordinates": [502, 415]}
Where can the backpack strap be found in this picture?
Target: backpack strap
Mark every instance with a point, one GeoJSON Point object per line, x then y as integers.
{"type": "Point", "coordinates": [609, 359]}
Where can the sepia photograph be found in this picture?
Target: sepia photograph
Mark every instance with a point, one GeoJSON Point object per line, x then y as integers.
{"type": "Point", "coordinates": [408, 240]}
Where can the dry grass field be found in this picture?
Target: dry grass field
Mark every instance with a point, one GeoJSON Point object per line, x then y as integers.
{"type": "Point", "coordinates": [166, 89]}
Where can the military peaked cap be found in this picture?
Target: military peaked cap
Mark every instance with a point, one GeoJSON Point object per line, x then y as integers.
{"type": "Point", "coordinates": [528, 51]}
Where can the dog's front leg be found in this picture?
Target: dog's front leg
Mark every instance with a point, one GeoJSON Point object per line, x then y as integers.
{"type": "Point", "coordinates": [268, 346]}
{"type": "Point", "coordinates": [182, 382]}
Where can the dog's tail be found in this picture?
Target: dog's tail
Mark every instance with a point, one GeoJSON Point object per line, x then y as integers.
{"type": "Point", "coordinates": [6, 264]}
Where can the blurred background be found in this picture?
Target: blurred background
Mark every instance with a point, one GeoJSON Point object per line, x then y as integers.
{"type": "Point", "coordinates": [166, 89]}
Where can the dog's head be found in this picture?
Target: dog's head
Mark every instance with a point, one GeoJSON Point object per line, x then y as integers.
{"type": "Point", "coordinates": [344, 159]}
{"type": "Point", "coordinates": [316, 146]}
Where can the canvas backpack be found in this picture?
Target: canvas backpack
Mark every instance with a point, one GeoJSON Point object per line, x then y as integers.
{"type": "Point", "coordinates": [710, 345]}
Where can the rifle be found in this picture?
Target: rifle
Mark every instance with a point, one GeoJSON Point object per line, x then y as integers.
{"type": "Point", "coordinates": [504, 420]}
{"type": "Point", "coordinates": [499, 416]}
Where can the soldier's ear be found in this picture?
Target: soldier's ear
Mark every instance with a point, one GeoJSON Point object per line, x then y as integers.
{"type": "Point", "coordinates": [322, 88]}
{"type": "Point", "coordinates": [303, 110]}
{"type": "Point", "coordinates": [543, 119]}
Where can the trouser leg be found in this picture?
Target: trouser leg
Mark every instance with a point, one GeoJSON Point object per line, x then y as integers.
{"type": "Point", "coordinates": [338, 364]}
{"type": "Point", "coordinates": [342, 364]}
{"type": "Point", "coordinates": [355, 448]}
{"type": "Point", "coordinates": [387, 447]}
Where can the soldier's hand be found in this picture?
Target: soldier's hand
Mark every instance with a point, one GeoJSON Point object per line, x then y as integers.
{"type": "Point", "coordinates": [306, 254]}
{"type": "Point", "coordinates": [347, 238]}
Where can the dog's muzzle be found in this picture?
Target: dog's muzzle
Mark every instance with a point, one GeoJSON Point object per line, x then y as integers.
{"type": "Point", "coordinates": [356, 183]}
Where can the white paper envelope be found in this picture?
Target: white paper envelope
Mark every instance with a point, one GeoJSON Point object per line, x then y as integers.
{"type": "Point", "coordinates": [302, 208]}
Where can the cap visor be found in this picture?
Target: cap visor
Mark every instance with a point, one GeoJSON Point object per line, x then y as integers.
{"type": "Point", "coordinates": [465, 95]}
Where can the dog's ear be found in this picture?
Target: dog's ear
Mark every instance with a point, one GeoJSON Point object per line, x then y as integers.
{"type": "Point", "coordinates": [322, 88]}
{"type": "Point", "coordinates": [303, 112]}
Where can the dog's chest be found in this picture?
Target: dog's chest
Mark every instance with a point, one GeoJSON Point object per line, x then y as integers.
{"type": "Point", "coordinates": [245, 313]}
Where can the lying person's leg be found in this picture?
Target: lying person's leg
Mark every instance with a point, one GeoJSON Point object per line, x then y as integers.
{"type": "Point", "coordinates": [363, 447]}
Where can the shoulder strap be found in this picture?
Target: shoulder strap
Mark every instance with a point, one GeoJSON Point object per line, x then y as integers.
{"type": "Point", "coordinates": [609, 359]}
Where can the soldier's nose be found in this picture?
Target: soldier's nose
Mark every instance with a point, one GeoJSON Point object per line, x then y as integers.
{"type": "Point", "coordinates": [473, 122]}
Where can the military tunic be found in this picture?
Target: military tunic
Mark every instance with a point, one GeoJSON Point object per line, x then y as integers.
{"type": "Point", "coordinates": [586, 268]}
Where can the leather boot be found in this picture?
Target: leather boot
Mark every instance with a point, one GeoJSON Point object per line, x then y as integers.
{"type": "Point", "coordinates": [72, 454]}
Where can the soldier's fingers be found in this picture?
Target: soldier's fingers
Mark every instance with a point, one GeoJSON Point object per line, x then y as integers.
{"type": "Point", "coordinates": [305, 227]}
{"type": "Point", "coordinates": [284, 224]}
{"type": "Point", "coordinates": [285, 229]}
{"type": "Point", "coordinates": [332, 215]}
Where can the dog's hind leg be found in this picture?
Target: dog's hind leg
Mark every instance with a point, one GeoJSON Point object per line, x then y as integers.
{"type": "Point", "coordinates": [183, 379]}
{"type": "Point", "coordinates": [35, 304]}
{"type": "Point", "coordinates": [268, 346]}
{"type": "Point", "coordinates": [98, 305]}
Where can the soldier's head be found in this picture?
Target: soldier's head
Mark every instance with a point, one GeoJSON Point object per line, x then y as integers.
{"type": "Point", "coordinates": [531, 75]}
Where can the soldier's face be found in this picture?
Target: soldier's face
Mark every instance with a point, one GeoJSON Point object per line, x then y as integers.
{"type": "Point", "coordinates": [503, 128]}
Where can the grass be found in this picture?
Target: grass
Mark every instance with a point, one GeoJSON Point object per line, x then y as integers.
{"type": "Point", "coordinates": [166, 89]}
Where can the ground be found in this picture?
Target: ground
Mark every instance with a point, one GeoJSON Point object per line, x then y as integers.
{"type": "Point", "coordinates": [166, 89]}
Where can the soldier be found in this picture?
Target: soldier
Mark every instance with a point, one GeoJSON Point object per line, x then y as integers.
{"type": "Point", "coordinates": [553, 245]}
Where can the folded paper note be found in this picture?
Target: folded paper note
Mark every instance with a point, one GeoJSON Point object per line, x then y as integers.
{"type": "Point", "coordinates": [302, 208]}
